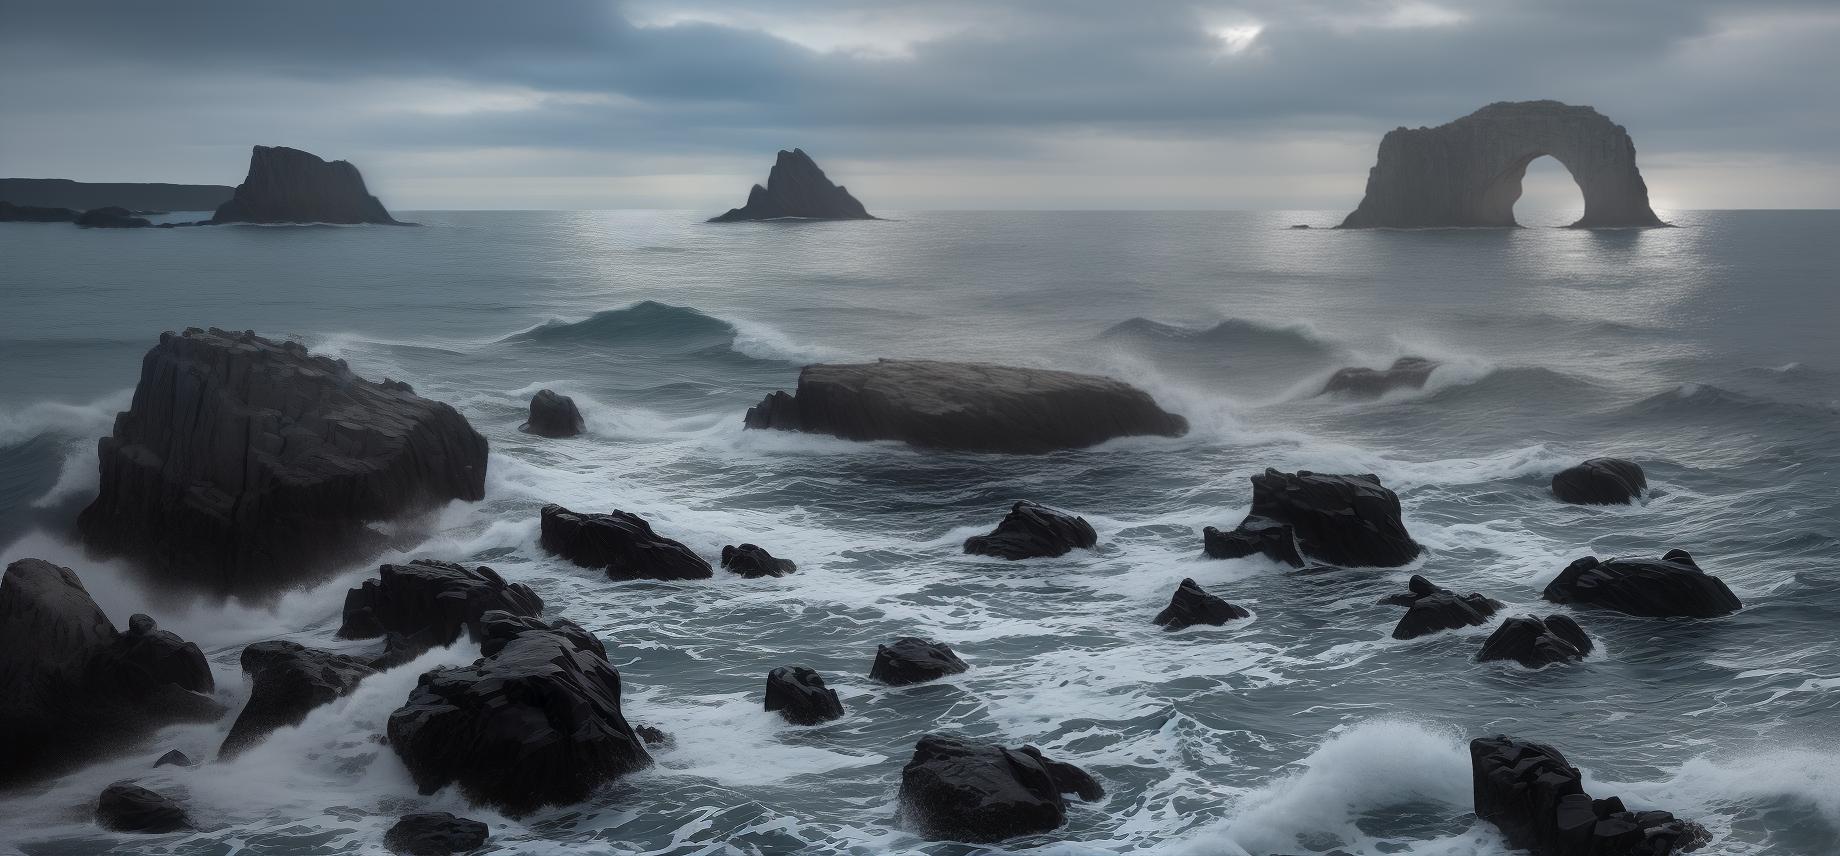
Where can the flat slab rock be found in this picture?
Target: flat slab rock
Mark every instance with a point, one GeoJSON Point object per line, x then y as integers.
{"type": "Point", "coordinates": [1538, 801]}
{"type": "Point", "coordinates": [1670, 586]}
{"type": "Point", "coordinates": [249, 465]}
{"type": "Point", "coordinates": [964, 406]}
{"type": "Point", "coordinates": [959, 790]}
{"type": "Point", "coordinates": [1031, 530]}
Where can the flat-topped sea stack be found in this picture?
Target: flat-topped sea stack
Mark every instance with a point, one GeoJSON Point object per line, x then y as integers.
{"type": "Point", "coordinates": [964, 406]}
{"type": "Point", "coordinates": [1468, 172]}
{"type": "Point", "coordinates": [246, 464]}
{"type": "Point", "coordinates": [291, 186]}
{"type": "Point", "coordinates": [797, 189]}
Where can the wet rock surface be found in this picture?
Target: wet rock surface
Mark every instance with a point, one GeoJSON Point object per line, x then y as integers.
{"type": "Point", "coordinates": [1356, 382]}
{"type": "Point", "coordinates": [435, 833]}
{"type": "Point", "coordinates": [553, 415]}
{"type": "Point", "coordinates": [1304, 517]}
{"type": "Point", "coordinates": [427, 604]}
{"type": "Point", "coordinates": [800, 696]}
{"type": "Point", "coordinates": [1538, 801]}
{"type": "Point", "coordinates": [750, 560]}
{"type": "Point", "coordinates": [1032, 530]}
{"type": "Point", "coordinates": [1600, 481]}
{"type": "Point", "coordinates": [622, 543]}
{"type": "Point", "coordinates": [128, 807]}
{"type": "Point", "coordinates": [1191, 605]}
{"type": "Point", "coordinates": [1535, 642]}
{"type": "Point", "coordinates": [1670, 586]}
{"type": "Point", "coordinates": [288, 681]}
{"type": "Point", "coordinates": [959, 790]}
{"type": "Point", "coordinates": [911, 660]}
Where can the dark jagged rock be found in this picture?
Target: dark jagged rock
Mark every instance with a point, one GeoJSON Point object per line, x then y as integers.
{"type": "Point", "coordinates": [957, 790]}
{"type": "Point", "coordinates": [800, 696]}
{"type": "Point", "coordinates": [1416, 587]}
{"type": "Point", "coordinates": [1031, 530]}
{"type": "Point", "coordinates": [140, 197]}
{"type": "Point", "coordinates": [1600, 481]}
{"type": "Point", "coordinates": [111, 218]}
{"type": "Point", "coordinates": [749, 560]}
{"type": "Point", "coordinates": [288, 681]}
{"type": "Point", "coordinates": [536, 721]}
{"type": "Point", "coordinates": [964, 406]}
{"type": "Point", "coordinates": [1345, 520]}
{"type": "Point", "coordinates": [128, 807]}
{"type": "Point", "coordinates": [1254, 536]}
{"type": "Point", "coordinates": [1444, 611]}
{"type": "Point", "coordinates": [622, 543]}
{"type": "Point", "coordinates": [249, 464]}
{"type": "Point", "coordinates": [1533, 643]}
{"type": "Point", "coordinates": [291, 186]}
{"type": "Point", "coordinates": [10, 213]}
{"type": "Point", "coordinates": [797, 188]}
{"type": "Point", "coordinates": [1673, 585]}
{"type": "Point", "coordinates": [1193, 605]}
{"type": "Point", "coordinates": [910, 660]}
{"type": "Point", "coordinates": [435, 833]}
{"type": "Point", "coordinates": [1468, 172]}
{"type": "Point", "coordinates": [1406, 373]}
{"type": "Point", "coordinates": [427, 604]}
{"type": "Point", "coordinates": [175, 758]}
{"type": "Point", "coordinates": [71, 686]}
{"type": "Point", "coordinates": [652, 735]}
{"type": "Point", "coordinates": [1538, 801]}
{"type": "Point", "coordinates": [553, 415]}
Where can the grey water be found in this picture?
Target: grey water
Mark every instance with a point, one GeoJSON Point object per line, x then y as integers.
{"type": "Point", "coordinates": [1706, 352]}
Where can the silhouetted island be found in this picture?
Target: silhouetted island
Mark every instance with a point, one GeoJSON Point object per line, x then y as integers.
{"type": "Point", "coordinates": [291, 186]}
{"type": "Point", "coordinates": [138, 197]}
{"type": "Point", "coordinates": [797, 188]}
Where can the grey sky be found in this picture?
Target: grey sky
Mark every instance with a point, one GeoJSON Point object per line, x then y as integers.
{"type": "Point", "coordinates": [945, 104]}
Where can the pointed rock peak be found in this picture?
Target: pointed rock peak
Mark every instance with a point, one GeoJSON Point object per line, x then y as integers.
{"type": "Point", "coordinates": [797, 189]}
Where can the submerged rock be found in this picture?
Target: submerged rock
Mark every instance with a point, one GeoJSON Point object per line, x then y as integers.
{"type": "Point", "coordinates": [957, 790]}
{"type": "Point", "coordinates": [622, 543]}
{"type": "Point", "coordinates": [111, 217]}
{"type": "Point", "coordinates": [964, 406]}
{"type": "Point", "coordinates": [1444, 610]}
{"type": "Point", "coordinates": [749, 560]}
{"type": "Point", "coordinates": [435, 833]}
{"type": "Point", "coordinates": [1657, 588]}
{"type": "Point", "coordinates": [1533, 642]}
{"type": "Point", "coordinates": [535, 721]}
{"type": "Point", "coordinates": [553, 415]}
{"type": "Point", "coordinates": [1538, 801]}
{"type": "Point", "coordinates": [797, 188]}
{"type": "Point", "coordinates": [910, 660]}
{"type": "Point", "coordinates": [1600, 481]}
{"type": "Point", "coordinates": [427, 604]}
{"type": "Point", "coordinates": [1406, 373]}
{"type": "Point", "coordinates": [72, 686]}
{"type": "Point", "coordinates": [128, 807]}
{"type": "Point", "coordinates": [291, 186]}
{"type": "Point", "coordinates": [800, 696]}
{"type": "Point", "coordinates": [1346, 520]}
{"type": "Point", "coordinates": [288, 680]}
{"type": "Point", "coordinates": [249, 465]}
{"type": "Point", "coordinates": [10, 213]}
{"type": "Point", "coordinates": [1031, 530]}
{"type": "Point", "coordinates": [1192, 605]}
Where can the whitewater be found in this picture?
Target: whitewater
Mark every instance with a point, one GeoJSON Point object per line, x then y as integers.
{"type": "Point", "coordinates": [1705, 352]}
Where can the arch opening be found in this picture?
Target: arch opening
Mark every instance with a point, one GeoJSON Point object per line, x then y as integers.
{"type": "Point", "coordinates": [1550, 195]}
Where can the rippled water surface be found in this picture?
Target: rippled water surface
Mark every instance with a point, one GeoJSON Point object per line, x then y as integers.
{"type": "Point", "coordinates": [1705, 352]}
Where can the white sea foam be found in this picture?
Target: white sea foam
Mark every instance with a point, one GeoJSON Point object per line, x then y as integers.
{"type": "Point", "coordinates": [61, 419]}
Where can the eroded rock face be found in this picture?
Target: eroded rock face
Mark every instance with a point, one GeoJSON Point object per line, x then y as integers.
{"type": "Point", "coordinates": [1254, 536]}
{"type": "Point", "coordinates": [291, 186]}
{"type": "Point", "coordinates": [797, 188]}
{"type": "Point", "coordinates": [288, 681]}
{"type": "Point", "coordinates": [553, 415]}
{"type": "Point", "coordinates": [957, 790]}
{"type": "Point", "coordinates": [1600, 481]}
{"type": "Point", "coordinates": [535, 721]}
{"type": "Point", "coordinates": [71, 686]}
{"type": "Point", "coordinates": [621, 542]}
{"type": "Point", "coordinates": [247, 464]}
{"type": "Point", "coordinates": [1346, 520]}
{"type": "Point", "coordinates": [1358, 382]}
{"type": "Point", "coordinates": [427, 604]}
{"type": "Point", "coordinates": [911, 660]}
{"type": "Point", "coordinates": [964, 406]}
{"type": "Point", "coordinates": [800, 696]}
{"type": "Point", "coordinates": [1032, 530]}
{"type": "Point", "coordinates": [435, 833]}
{"type": "Point", "coordinates": [1192, 605]}
{"type": "Point", "coordinates": [1534, 642]}
{"type": "Point", "coordinates": [1673, 585]}
{"type": "Point", "coordinates": [1468, 172]}
{"type": "Point", "coordinates": [1538, 802]}
{"type": "Point", "coordinates": [753, 561]}
{"type": "Point", "coordinates": [10, 213]}
{"type": "Point", "coordinates": [128, 807]}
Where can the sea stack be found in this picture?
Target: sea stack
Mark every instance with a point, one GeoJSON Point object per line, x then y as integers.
{"type": "Point", "coordinates": [291, 186]}
{"type": "Point", "coordinates": [1468, 172]}
{"type": "Point", "coordinates": [797, 189]}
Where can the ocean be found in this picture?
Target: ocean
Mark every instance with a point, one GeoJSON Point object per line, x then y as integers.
{"type": "Point", "coordinates": [1707, 353]}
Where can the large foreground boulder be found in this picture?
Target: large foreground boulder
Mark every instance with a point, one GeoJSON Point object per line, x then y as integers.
{"type": "Point", "coordinates": [1192, 605]}
{"type": "Point", "coordinates": [800, 696]}
{"type": "Point", "coordinates": [427, 604]}
{"type": "Point", "coordinates": [1345, 520]}
{"type": "Point", "coordinates": [1672, 585]}
{"type": "Point", "coordinates": [911, 660]}
{"type": "Point", "coordinates": [287, 681]}
{"type": "Point", "coordinates": [435, 833]}
{"type": "Point", "coordinates": [1600, 481]}
{"type": "Point", "coordinates": [10, 213]}
{"type": "Point", "coordinates": [964, 406]}
{"type": "Point", "coordinates": [753, 561]}
{"type": "Point", "coordinates": [621, 542]}
{"type": "Point", "coordinates": [553, 415]}
{"type": "Point", "coordinates": [72, 686]}
{"type": "Point", "coordinates": [128, 807]}
{"type": "Point", "coordinates": [249, 465]}
{"type": "Point", "coordinates": [1031, 530]}
{"type": "Point", "coordinates": [1534, 642]}
{"type": "Point", "coordinates": [291, 186]}
{"type": "Point", "coordinates": [957, 790]}
{"type": "Point", "coordinates": [1358, 382]}
{"type": "Point", "coordinates": [1538, 801]}
{"type": "Point", "coordinates": [536, 721]}
{"type": "Point", "coordinates": [797, 188]}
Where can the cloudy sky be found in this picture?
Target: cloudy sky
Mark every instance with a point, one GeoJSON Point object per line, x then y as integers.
{"type": "Point", "coordinates": [922, 104]}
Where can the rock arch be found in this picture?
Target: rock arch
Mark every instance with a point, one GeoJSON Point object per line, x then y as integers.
{"type": "Point", "coordinates": [1468, 172]}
